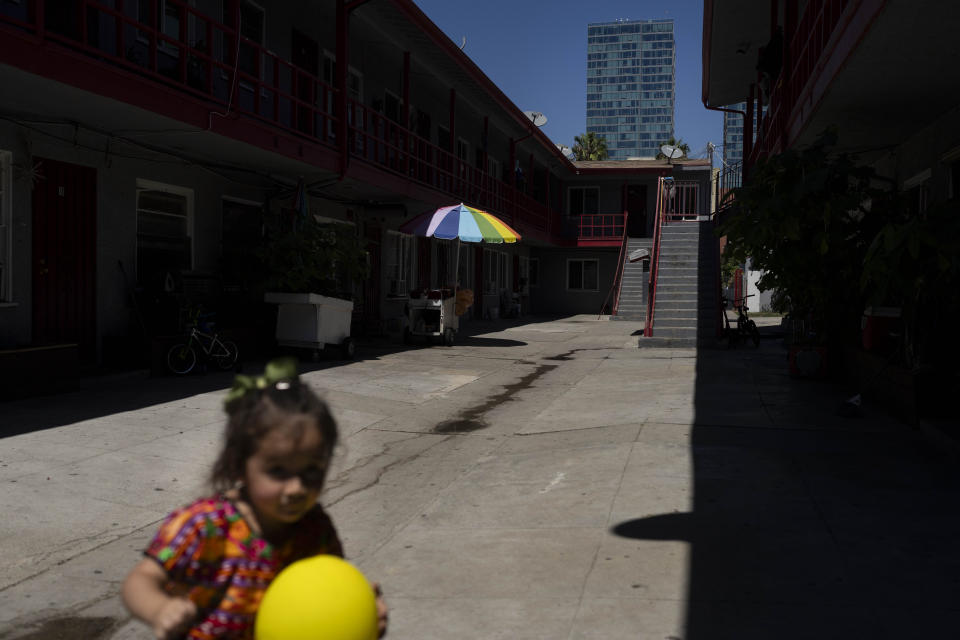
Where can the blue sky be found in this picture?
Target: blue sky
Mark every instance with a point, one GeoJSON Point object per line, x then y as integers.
{"type": "Point", "coordinates": [536, 52]}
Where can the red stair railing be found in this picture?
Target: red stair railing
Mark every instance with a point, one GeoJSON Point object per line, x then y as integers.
{"type": "Point", "coordinates": [655, 258]}
{"type": "Point", "coordinates": [618, 275]}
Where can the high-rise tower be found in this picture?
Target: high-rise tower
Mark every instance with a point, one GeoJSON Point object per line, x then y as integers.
{"type": "Point", "coordinates": [630, 85]}
{"type": "Point", "coordinates": [733, 134]}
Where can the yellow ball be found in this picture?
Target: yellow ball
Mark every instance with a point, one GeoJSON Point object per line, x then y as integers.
{"type": "Point", "coordinates": [318, 598]}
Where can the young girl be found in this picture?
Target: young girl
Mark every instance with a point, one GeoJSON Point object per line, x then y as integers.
{"type": "Point", "coordinates": [207, 568]}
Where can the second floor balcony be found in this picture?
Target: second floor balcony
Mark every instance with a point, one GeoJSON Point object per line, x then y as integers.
{"type": "Point", "coordinates": [191, 58]}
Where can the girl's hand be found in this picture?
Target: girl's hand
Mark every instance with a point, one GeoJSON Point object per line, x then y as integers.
{"type": "Point", "coordinates": [173, 618]}
{"type": "Point", "coordinates": [381, 611]}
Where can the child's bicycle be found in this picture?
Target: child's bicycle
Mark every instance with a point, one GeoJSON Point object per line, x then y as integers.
{"type": "Point", "coordinates": [182, 357]}
{"type": "Point", "coordinates": [744, 329]}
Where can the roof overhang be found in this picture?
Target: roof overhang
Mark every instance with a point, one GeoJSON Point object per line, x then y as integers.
{"type": "Point", "coordinates": [733, 32]}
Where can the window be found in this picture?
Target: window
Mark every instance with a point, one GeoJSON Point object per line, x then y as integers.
{"type": "Point", "coordinates": [582, 275]}
{"type": "Point", "coordinates": [951, 162]}
{"type": "Point", "coordinates": [6, 227]}
{"type": "Point", "coordinates": [954, 180]}
{"type": "Point", "coordinates": [252, 27]}
{"type": "Point", "coordinates": [164, 230]}
{"type": "Point", "coordinates": [524, 275]}
{"type": "Point", "coordinates": [583, 200]}
{"type": "Point", "coordinates": [491, 266]}
{"type": "Point", "coordinates": [391, 106]}
{"type": "Point", "coordinates": [241, 234]}
{"type": "Point", "coordinates": [916, 191]}
{"type": "Point", "coordinates": [494, 168]}
{"type": "Point", "coordinates": [443, 138]}
{"type": "Point", "coordinates": [399, 263]}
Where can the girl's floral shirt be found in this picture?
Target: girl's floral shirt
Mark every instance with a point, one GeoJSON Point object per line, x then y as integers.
{"type": "Point", "coordinates": [212, 557]}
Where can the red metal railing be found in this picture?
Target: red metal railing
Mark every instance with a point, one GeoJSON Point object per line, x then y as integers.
{"type": "Point", "coordinates": [213, 61]}
{"type": "Point", "coordinates": [618, 274]}
{"type": "Point", "coordinates": [204, 57]}
{"type": "Point", "coordinates": [655, 258]}
{"type": "Point", "coordinates": [680, 200]}
{"type": "Point", "coordinates": [805, 54]}
{"type": "Point", "coordinates": [376, 139]}
{"type": "Point", "coordinates": [602, 226]}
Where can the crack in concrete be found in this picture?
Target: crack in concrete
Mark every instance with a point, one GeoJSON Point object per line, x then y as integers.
{"type": "Point", "coordinates": [368, 461]}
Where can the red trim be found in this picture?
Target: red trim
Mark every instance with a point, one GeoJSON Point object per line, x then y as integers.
{"type": "Point", "coordinates": [584, 171]}
{"type": "Point", "coordinates": [615, 242]}
{"type": "Point", "coordinates": [420, 19]}
{"type": "Point", "coordinates": [76, 69]}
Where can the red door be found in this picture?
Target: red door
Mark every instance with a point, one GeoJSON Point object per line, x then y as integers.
{"type": "Point", "coordinates": [64, 256]}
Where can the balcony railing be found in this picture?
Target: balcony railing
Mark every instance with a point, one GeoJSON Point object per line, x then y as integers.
{"type": "Point", "coordinates": [807, 46]}
{"type": "Point", "coordinates": [601, 226]}
{"type": "Point", "coordinates": [210, 60]}
{"type": "Point", "coordinates": [681, 200]}
{"type": "Point", "coordinates": [727, 180]}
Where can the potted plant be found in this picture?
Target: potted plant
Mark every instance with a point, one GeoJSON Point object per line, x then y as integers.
{"type": "Point", "coordinates": [805, 218]}
{"type": "Point", "coordinates": [311, 267]}
{"type": "Point", "coordinates": [913, 265]}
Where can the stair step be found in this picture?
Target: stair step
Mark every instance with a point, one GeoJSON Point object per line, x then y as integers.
{"type": "Point", "coordinates": [657, 342]}
{"type": "Point", "coordinates": [672, 322]}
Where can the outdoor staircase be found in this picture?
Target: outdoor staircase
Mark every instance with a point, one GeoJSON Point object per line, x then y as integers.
{"type": "Point", "coordinates": [686, 306]}
{"type": "Point", "coordinates": [634, 287]}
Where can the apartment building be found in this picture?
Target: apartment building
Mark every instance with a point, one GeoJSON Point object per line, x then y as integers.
{"type": "Point", "coordinates": [145, 147]}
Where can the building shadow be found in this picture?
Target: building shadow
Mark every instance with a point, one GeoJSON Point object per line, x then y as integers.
{"type": "Point", "coordinates": [806, 524]}
{"type": "Point", "coordinates": [86, 398]}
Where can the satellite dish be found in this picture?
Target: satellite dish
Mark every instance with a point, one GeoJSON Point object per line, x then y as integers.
{"type": "Point", "coordinates": [566, 151]}
{"type": "Point", "coordinates": [671, 152]}
{"type": "Point", "coordinates": [536, 117]}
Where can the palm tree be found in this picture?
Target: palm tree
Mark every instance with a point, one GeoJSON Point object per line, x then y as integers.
{"type": "Point", "coordinates": [674, 142]}
{"type": "Point", "coordinates": [589, 147]}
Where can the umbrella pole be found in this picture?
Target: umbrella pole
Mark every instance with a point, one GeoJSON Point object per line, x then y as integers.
{"type": "Point", "coordinates": [456, 271]}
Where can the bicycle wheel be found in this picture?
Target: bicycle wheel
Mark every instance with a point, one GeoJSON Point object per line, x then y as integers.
{"type": "Point", "coordinates": [181, 359]}
{"type": "Point", "coordinates": [225, 354]}
{"type": "Point", "coordinates": [754, 332]}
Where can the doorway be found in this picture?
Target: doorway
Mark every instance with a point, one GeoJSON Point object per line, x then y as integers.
{"type": "Point", "coordinates": [369, 313]}
{"type": "Point", "coordinates": [636, 204]}
{"type": "Point", "coordinates": [64, 256]}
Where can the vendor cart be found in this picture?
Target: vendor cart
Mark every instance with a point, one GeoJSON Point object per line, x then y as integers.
{"type": "Point", "coordinates": [432, 314]}
{"type": "Point", "coordinates": [314, 322]}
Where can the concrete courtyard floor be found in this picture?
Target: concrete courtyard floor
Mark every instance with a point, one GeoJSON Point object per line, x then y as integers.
{"type": "Point", "coordinates": [540, 479]}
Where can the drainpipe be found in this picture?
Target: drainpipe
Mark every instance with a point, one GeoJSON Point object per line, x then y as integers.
{"type": "Point", "coordinates": [405, 127]}
{"type": "Point", "coordinates": [746, 137]}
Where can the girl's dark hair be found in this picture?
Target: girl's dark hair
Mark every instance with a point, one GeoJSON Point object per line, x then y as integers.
{"type": "Point", "coordinates": [251, 416]}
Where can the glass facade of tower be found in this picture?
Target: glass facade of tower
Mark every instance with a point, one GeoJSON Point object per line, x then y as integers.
{"type": "Point", "coordinates": [733, 134]}
{"type": "Point", "coordinates": [630, 85]}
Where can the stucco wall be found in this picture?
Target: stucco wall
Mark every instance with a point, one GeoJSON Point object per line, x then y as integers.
{"type": "Point", "coordinates": [926, 149]}
{"type": "Point", "coordinates": [552, 296]}
{"type": "Point", "coordinates": [116, 226]}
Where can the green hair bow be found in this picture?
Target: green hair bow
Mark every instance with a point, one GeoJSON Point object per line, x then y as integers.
{"type": "Point", "coordinates": [277, 370]}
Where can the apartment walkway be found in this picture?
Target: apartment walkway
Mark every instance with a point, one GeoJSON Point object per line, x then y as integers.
{"type": "Point", "coordinates": [541, 480]}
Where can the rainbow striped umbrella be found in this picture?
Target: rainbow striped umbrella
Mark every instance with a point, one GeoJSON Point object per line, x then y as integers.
{"type": "Point", "coordinates": [462, 223]}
